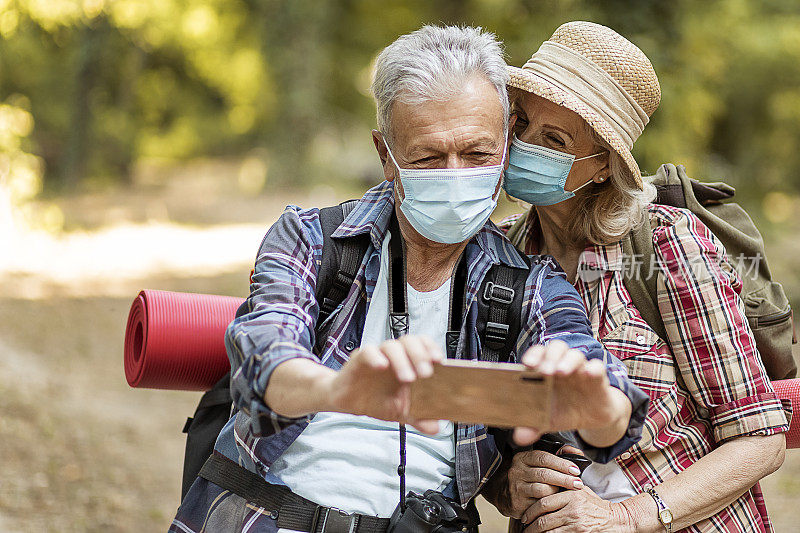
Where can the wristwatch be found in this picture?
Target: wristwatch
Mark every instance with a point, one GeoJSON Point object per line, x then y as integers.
{"type": "Point", "coordinates": [664, 513]}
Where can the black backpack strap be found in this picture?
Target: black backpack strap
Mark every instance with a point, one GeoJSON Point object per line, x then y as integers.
{"type": "Point", "coordinates": [340, 260]}
{"type": "Point", "coordinates": [290, 510]}
{"type": "Point", "coordinates": [202, 429]}
{"type": "Point", "coordinates": [500, 311]}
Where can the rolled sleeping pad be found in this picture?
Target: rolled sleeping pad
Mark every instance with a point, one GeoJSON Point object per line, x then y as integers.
{"type": "Point", "coordinates": [177, 340]}
{"type": "Point", "coordinates": [789, 389]}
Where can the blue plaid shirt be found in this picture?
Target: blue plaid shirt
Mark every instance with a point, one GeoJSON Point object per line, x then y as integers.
{"type": "Point", "coordinates": [277, 323]}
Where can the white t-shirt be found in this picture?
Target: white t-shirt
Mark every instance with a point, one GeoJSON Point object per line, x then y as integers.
{"type": "Point", "coordinates": [350, 462]}
{"type": "Point", "coordinates": [608, 481]}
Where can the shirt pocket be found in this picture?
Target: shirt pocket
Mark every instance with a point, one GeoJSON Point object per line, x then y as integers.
{"type": "Point", "coordinates": [648, 359]}
{"type": "Point", "coordinates": [652, 368]}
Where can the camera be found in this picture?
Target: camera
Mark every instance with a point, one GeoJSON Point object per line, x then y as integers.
{"type": "Point", "coordinates": [553, 443]}
{"type": "Point", "coordinates": [432, 512]}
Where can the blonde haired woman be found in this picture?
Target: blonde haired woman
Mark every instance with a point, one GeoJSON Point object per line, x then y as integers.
{"type": "Point", "coordinates": [714, 424]}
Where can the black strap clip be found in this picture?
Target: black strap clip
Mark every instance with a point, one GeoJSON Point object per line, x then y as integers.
{"type": "Point", "coordinates": [334, 521]}
{"type": "Point", "coordinates": [496, 335]}
{"type": "Point", "coordinates": [498, 293]}
{"type": "Point", "coordinates": [451, 343]}
{"type": "Point", "coordinates": [399, 324]}
{"type": "Point", "coordinates": [343, 281]}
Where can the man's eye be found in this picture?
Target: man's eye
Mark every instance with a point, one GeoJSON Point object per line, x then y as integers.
{"type": "Point", "coordinates": [428, 159]}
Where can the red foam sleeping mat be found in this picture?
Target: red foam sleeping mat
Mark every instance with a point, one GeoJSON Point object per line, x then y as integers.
{"type": "Point", "coordinates": [176, 340]}
{"type": "Point", "coordinates": [789, 389]}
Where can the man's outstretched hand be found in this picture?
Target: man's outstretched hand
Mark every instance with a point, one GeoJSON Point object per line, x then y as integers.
{"type": "Point", "coordinates": [582, 397]}
{"type": "Point", "coordinates": [376, 380]}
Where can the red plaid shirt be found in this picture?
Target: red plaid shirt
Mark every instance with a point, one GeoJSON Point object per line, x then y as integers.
{"type": "Point", "coordinates": [708, 384]}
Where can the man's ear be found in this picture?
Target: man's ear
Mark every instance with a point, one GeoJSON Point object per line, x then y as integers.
{"type": "Point", "coordinates": [383, 154]}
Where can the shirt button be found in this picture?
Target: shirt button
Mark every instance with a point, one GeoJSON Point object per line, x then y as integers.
{"type": "Point", "coordinates": [647, 487]}
{"type": "Point", "coordinates": [641, 339]}
{"type": "Point", "coordinates": [350, 346]}
{"type": "Point", "coordinates": [625, 456]}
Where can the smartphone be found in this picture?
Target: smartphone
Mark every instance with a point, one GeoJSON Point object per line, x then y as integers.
{"type": "Point", "coordinates": [477, 392]}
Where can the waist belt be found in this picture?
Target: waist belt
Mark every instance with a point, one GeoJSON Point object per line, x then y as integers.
{"type": "Point", "coordinates": [290, 510]}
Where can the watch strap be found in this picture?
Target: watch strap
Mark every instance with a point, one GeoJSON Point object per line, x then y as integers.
{"type": "Point", "coordinates": [664, 512]}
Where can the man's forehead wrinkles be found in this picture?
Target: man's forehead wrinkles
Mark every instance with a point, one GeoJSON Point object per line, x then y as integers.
{"type": "Point", "coordinates": [454, 140]}
{"type": "Point", "coordinates": [469, 121]}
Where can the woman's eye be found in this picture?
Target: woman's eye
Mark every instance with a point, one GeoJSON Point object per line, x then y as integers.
{"type": "Point", "coordinates": [555, 139]}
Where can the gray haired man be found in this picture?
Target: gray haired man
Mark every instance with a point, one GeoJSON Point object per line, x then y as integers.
{"type": "Point", "coordinates": [313, 445]}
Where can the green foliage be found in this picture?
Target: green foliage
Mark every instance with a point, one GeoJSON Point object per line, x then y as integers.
{"type": "Point", "coordinates": [111, 82]}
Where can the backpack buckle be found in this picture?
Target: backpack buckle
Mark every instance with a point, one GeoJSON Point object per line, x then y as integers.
{"type": "Point", "coordinates": [496, 335]}
{"type": "Point", "coordinates": [451, 343]}
{"type": "Point", "coordinates": [334, 521]}
{"type": "Point", "coordinates": [498, 293]}
{"type": "Point", "coordinates": [399, 324]}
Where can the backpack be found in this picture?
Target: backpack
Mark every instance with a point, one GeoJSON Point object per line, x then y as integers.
{"type": "Point", "coordinates": [766, 306]}
{"type": "Point", "coordinates": [499, 312]}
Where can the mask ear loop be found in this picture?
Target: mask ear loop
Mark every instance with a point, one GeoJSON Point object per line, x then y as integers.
{"type": "Point", "coordinates": [582, 158]}
{"type": "Point", "coordinates": [590, 181]}
{"type": "Point", "coordinates": [581, 187]}
{"type": "Point", "coordinates": [391, 155]}
{"type": "Point", "coordinates": [496, 197]}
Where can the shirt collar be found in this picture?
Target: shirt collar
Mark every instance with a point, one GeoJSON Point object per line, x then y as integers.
{"type": "Point", "coordinates": [607, 258]}
{"type": "Point", "coordinates": [373, 213]}
{"type": "Point", "coordinates": [595, 257]}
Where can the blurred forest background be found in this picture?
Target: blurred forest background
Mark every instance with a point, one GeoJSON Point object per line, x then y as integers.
{"type": "Point", "coordinates": [149, 143]}
{"type": "Point", "coordinates": [95, 89]}
{"type": "Point", "coordinates": [98, 94]}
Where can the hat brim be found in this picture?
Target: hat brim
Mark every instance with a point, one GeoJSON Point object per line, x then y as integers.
{"type": "Point", "coordinates": [523, 79]}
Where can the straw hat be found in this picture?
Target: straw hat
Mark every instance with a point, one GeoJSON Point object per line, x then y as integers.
{"type": "Point", "coordinates": [600, 75]}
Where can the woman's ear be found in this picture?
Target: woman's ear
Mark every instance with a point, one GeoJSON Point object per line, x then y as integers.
{"type": "Point", "coordinates": [383, 154]}
{"type": "Point", "coordinates": [603, 170]}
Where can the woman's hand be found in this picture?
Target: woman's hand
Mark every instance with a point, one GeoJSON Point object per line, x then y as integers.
{"type": "Point", "coordinates": [577, 511]}
{"type": "Point", "coordinates": [535, 474]}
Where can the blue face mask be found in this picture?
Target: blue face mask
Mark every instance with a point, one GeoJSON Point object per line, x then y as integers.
{"type": "Point", "coordinates": [448, 205]}
{"type": "Point", "coordinates": [537, 174]}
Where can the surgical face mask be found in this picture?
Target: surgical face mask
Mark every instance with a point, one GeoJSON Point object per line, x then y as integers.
{"type": "Point", "coordinates": [448, 205]}
{"type": "Point", "coordinates": [537, 174]}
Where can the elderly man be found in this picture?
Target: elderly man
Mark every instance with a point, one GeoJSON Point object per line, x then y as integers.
{"type": "Point", "coordinates": [314, 444]}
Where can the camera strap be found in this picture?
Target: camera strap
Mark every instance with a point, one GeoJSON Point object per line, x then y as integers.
{"type": "Point", "coordinates": [399, 320]}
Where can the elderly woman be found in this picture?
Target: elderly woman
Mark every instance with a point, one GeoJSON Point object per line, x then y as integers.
{"type": "Point", "coordinates": [714, 423]}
